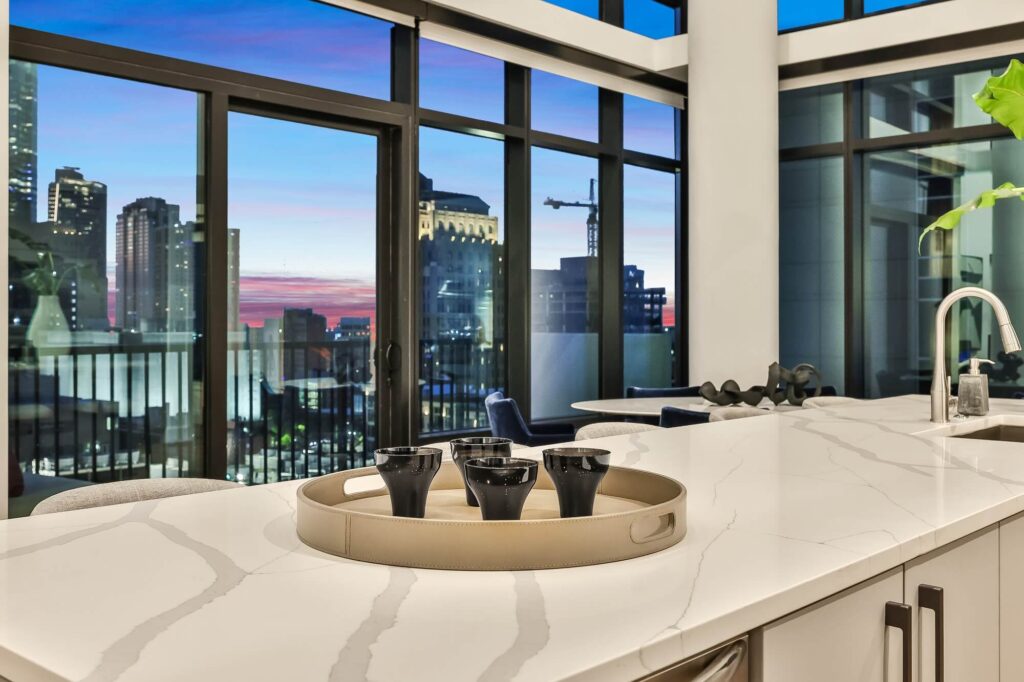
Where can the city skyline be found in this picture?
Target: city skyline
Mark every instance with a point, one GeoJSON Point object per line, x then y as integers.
{"type": "Point", "coordinates": [115, 118]}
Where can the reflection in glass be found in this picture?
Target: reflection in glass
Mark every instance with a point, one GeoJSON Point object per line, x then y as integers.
{"type": "Point", "coordinates": [104, 377]}
{"type": "Point", "coordinates": [649, 126]}
{"type": "Point", "coordinates": [906, 190]}
{"type": "Point", "coordinates": [462, 259]}
{"type": "Point", "coordinates": [564, 286]}
{"type": "Point", "coordinates": [931, 99]}
{"type": "Point", "coordinates": [811, 116]}
{"type": "Point", "coordinates": [648, 277]}
{"type": "Point", "coordinates": [302, 301]}
{"type": "Point", "coordinates": [564, 106]}
{"type": "Point", "coordinates": [800, 13]}
{"type": "Point", "coordinates": [650, 18]}
{"type": "Point", "coordinates": [871, 6]}
{"type": "Point", "coordinates": [811, 276]}
{"type": "Point", "coordinates": [307, 42]}
{"type": "Point", "coordinates": [461, 82]}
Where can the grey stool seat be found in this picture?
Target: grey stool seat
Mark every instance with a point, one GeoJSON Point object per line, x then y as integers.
{"type": "Point", "coordinates": [104, 494]}
{"type": "Point", "coordinates": [606, 429]}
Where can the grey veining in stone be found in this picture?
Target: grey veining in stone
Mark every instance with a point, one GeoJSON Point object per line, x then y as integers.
{"type": "Point", "coordinates": [125, 652]}
{"type": "Point", "coordinates": [354, 659]}
{"type": "Point", "coordinates": [532, 630]}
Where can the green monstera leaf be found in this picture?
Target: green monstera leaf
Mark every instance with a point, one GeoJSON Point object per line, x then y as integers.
{"type": "Point", "coordinates": [1003, 98]}
{"type": "Point", "coordinates": [986, 199]}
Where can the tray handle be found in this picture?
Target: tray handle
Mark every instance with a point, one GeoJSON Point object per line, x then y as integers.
{"type": "Point", "coordinates": [347, 496]}
{"type": "Point", "coordinates": [652, 527]}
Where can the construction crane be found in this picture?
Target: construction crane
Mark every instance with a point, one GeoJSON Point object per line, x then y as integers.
{"type": "Point", "coordinates": [591, 217]}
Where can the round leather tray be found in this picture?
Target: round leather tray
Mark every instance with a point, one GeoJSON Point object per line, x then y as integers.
{"type": "Point", "coordinates": [636, 513]}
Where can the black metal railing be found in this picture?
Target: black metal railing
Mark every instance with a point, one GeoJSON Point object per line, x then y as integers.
{"type": "Point", "coordinates": [456, 377]}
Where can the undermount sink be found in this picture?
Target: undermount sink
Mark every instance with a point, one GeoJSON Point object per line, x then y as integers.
{"type": "Point", "coordinates": [1003, 428]}
{"type": "Point", "coordinates": [1001, 432]}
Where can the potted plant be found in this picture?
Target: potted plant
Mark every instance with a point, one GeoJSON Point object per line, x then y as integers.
{"type": "Point", "coordinates": [1003, 99]}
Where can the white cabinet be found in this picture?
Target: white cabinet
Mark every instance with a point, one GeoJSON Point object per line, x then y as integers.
{"type": "Point", "coordinates": [841, 639]}
{"type": "Point", "coordinates": [1011, 598]}
{"type": "Point", "coordinates": [846, 639]}
{"type": "Point", "coordinates": [962, 582]}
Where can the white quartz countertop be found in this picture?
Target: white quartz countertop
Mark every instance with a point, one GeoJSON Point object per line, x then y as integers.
{"type": "Point", "coordinates": [783, 510]}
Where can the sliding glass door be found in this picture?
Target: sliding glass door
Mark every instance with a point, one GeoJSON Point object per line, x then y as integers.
{"type": "Point", "coordinates": [302, 298]}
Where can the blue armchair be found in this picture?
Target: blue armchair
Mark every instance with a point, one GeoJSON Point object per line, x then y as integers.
{"type": "Point", "coordinates": [674, 392]}
{"type": "Point", "coordinates": [672, 417]}
{"type": "Point", "coordinates": [507, 422]}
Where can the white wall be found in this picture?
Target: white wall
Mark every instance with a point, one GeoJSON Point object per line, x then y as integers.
{"type": "Point", "coordinates": [734, 190]}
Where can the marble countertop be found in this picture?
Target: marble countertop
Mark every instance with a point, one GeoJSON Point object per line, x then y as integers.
{"type": "Point", "coordinates": [651, 407]}
{"type": "Point", "coordinates": [783, 511]}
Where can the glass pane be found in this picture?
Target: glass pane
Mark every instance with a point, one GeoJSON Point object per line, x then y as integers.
{"type": "Point", "coordinates": [649, 277]}
{"type": "Point", "coordinates": [105, 376]}
{"type": "Point", "coordinates": [564, 106]}
{"type": "Point", "coordinates": [906, 190]}
{"type": "Point", "coordinates": [304, 41]}
{"type": "Point", "coordinates": [811, 116]}
{"type": "Point", "coordinates": [650, 18]}
{"type": "Point", "coordinates": [811, 276]}
{"type": "Point", "coordinates": [649, 126]}
{"type": "Point", "coordinates": [932, 99]}
{"type": "Point", "coordinates": [800, 13]}
{"type": "Point", "coordinates": [590, 8]}
{"type": "Point", "coordinates": [461, 82]}
{"type": "Point", "coordinates": [462, 256]}
{"type": "Point", "coordinates": [564, 285]}
{"type": "Point", "coordinates": [302, 299]}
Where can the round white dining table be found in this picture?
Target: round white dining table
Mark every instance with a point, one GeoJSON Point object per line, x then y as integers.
{"type": "Point", "coordinates": [651, 407]}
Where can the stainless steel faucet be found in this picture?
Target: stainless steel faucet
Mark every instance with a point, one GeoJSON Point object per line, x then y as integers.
{"type": "Point", "coordinates": [940, 379]}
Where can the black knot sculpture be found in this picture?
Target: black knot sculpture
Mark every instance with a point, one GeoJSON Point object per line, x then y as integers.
{"type": "Point", "coordinates": [782, 385]}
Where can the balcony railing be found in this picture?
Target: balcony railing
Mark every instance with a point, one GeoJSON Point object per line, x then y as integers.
{"type": "Point", "coordinates": [455, 378]}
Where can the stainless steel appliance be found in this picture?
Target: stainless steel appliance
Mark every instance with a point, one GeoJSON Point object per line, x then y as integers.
{"type": "Point", "coordinates": [729, 663]}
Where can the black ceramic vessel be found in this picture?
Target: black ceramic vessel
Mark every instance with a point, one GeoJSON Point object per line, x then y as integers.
{"type": "Point", "coordinates": [408, 472]}
{"type": "Point", "coordinates": [464, 449]}
{"type": "Point", "coordinates": [501, 484]}
{"type": "Point", "coordinates": [576, 473]}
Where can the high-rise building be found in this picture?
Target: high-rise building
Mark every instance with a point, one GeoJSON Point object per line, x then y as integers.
{"type": "Point", "coordinates": [234, 280]}
{"type": "Point", "coordinates": [155, 268]}
{"type": "Point", "coordinates": [642, 307]}
{"type": "Point", "coordinates": [23, 112]}
{"type": "Point", "coordinates": [77, 234]}
{"type": "Point", "coordinates": [304, 344]}
{"type": "Point", "coordinates": [351, 349]}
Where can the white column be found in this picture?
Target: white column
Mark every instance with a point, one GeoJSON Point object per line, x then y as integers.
{"type": "Point", "coordinates": [734, 190]}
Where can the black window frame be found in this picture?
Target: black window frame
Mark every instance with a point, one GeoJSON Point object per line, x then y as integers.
{"type": "Point", "coordinates": [397, 122]}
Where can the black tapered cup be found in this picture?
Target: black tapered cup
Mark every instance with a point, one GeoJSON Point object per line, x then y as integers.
{"type": "Point", "coordinates": [408, 472]}
{"type": "Point", "coordinates": [475, 447]}
{"type": "Point", "coordinates": [501, 485]}
{"type": "Point", "coordinates": [576, 473]}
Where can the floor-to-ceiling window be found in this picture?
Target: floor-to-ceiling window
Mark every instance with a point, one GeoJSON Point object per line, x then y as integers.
{"type": "Point", "coordinates": [106, 323]}
{"type": "Point", "coordinates": [853, 207]}
{"type": "Point", "coordinates": [799, 14]}
{"type": "Point", "coordinates": [256, 318]}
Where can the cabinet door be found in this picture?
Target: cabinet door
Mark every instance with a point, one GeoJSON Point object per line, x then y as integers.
{"type": "Point", "coordinates": [1011, 598]}
{"type": "Point", "coordinates": [841, 639]}
{"type": "Point", "coordinates": [968, 573]}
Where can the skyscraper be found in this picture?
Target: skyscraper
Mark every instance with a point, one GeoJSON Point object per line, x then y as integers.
{"type": "Point", "coordinates": [23, 110]}
{"type": "Point", "coordinates": [234, 281]}
{"type": "Point", "coordinates": [155, 268]}
{"type": "Point", "coordinates": [77, 235]}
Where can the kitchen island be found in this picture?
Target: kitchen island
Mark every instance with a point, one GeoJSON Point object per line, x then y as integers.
{"type": "Point", "coordinates": [783, 511]}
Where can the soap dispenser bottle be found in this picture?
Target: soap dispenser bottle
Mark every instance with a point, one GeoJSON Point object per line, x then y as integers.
{"type": "Point", "coordinates": [972, 396]}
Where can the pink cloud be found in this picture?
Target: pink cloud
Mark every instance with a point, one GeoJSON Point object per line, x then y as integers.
{"type": "Point", "coordinates": [266, 296]}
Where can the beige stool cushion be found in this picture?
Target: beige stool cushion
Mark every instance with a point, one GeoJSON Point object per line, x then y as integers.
{"type": "Point", "coordinates": [103, 494]}
{"type": "Point", "coordinates": [606, 429]}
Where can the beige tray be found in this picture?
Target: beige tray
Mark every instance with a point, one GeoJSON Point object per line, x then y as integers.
{"type": "Point", "coordinates": [636, 513]}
